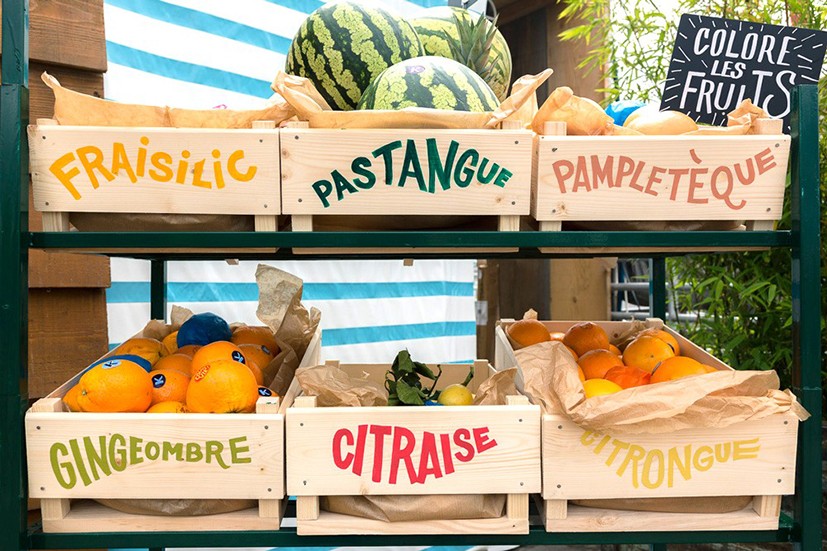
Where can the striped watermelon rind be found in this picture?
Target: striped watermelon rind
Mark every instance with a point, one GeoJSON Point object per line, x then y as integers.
{"type": "Point", "coordinates": [432, 28]}
{"type": "Point", "coordinates": [431, 82]}
{"type": "Point", "coordinates": [342, 47]}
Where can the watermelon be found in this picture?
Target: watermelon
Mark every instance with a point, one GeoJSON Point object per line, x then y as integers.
{"type": "Point", "coordinates": [438, 27]}
{"type": "Point", "coordinates": [341, 47]}
{"type": "Point", "coordinates": [429, 81]}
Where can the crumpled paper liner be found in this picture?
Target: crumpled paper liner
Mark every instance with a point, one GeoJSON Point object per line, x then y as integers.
{"type": "Point", "coordinates": [178, 507]}
{"type": "Point", "coordinates": [76, 109]}
{"type": "Point", "coordinates": [142, 222]}
{"type": "Point", "coordinates": [335, 388]}
{"type": "Point", "coordinates": [712, 400]}
{"type": "Point", "coordinates": [705, 504]}
{"type": "Point", "coordinates": [416, 507]}
{"type": "Point", "coordinates": [493, 390]}
{"type": "Point", "coordinates": [585, 117]}
{"type": "Point", "coordinates": [308, 104]}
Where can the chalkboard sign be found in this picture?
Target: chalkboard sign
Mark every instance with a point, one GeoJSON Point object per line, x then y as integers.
{"type": "Point", "coordinates": [717, 63]}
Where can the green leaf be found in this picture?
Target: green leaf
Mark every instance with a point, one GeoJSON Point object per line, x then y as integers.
{"type": "Point", "coordinates": [470, 376]}
{"type": "Point", "coordinates": [424, 370]}
{"type": "Point", "coordinates": [409, 395]}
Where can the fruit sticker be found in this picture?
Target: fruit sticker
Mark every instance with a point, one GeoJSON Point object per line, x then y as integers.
{"type": "Point", "coordinates": [238, 357]}
{"type": "Point", "coordinates": [110, 364]}
{"type": "Point", "coordinates": [201, 373]}
{"type": "Point", "coordinates": [264, 392]}
{"type": "Point", "coordinates": [159, 380]}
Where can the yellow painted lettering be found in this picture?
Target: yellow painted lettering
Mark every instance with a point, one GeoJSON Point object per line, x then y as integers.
{"type": "Point", "coordinates": [121, 162]}
{"type": "Point", "coordinates": [141, 168]}
{"type": "Point", "coordinates": [92, 159]}
{"type": "Point", "coordinates": [619, 445]}
{"type": "Point", "coordinates": [703, 460]}
{"type": "Point", "coordinates": [646, 476]}
{"type": "Point", "coordinates": [183, 165]}
{"type": "Point", "coordinates": [65, 177]}
{"type": "Point", "coordinates": [236, 156]}
{"type": "Point", "coordinates": [602, 444]}
{"type": "Point", "coordinates": [746, 449]}
{"type": "Point", "coordinates": [635, 454]}
{"type": "Point", "coordinates": [216, 169]}
{"type": "Point", "coordinates": [685, 467]}
{"type": "Point", "coordinates": [162, 163]}
{"type": "Point", "coordinates": [723, 451]}
{"type": "Point", "coordinates": [196, 175]}
{"type": "Point", "coordinates": [587, 438]}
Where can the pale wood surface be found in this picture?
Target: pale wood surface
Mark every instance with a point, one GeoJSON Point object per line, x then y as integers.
{"type": "Point", "coordinates": [767, 506]}
{"type": "Point", "coordinates": [580, 288]}
{"type": "Point", "coordinates": [555, 509]}
{"type": "Point", "coordinates": [261, 478]}
{"type": "Point", "coordinates": [259, 196]}
{"type": "Point", "coordinates": [54, 509]}
{"type": "Point", "coordinates": [266, 223]}
{"type": "Point", "coordinates": [55, 221]}
{"type": "Point", "coordinates": [307, 508]}
{"type": "Point", "coordinates": [508, 223]}
{"type": "Point", "coordinates": [87, 516]}
{"type": "Point", "coordinates": [587, 519]}
{"type": "Point", "coordinates": [337, 524]}
{"type": "Point", "coordinates": [763, 197]}
{"type": "Point", "coordinates": [572, 469]}
{"type": "Point", "coordinates": [271, 508]}
{"type": "Point", "coordinates": [307, 157]}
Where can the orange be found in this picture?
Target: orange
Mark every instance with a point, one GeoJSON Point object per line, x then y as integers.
{"type": "Point", "coordinates": [180, 362]}
{"type": "Point", "coordinates": [188, 350]}
{"type": "Point", "coordinates": [256, 353]}
{"type": "Point", "coordinates": [526, 332]}
{"type": "Point", "coordinates": [572, 352]}
{"type": "Point", "coordinates": [115, 385]}
{"type": "Point", "coordinates": [168, 407]}
{"type": "Point", "coordinates": [595, 363]}
{"type": "Point", "coordinates": [645, 352]}
{"type": "Point", "coordinates": [581, 374]}
{"type": "Point", "coordinates": [256, 371]}
{"type": "Point", "coordinates": [626, 376]}
{"type": "Point", "coordinates": [677, 367]}
{"type": "Point", "coordinates": [71, 398]}
{"type": "Point", "coordinates": [586, 336]}
{"type": "Point", "coordinates": [664, 336]}
{"type": "Point", "coordinates": [169, 385]}
{"type": "Point", "coordinates": [218, 350]}
{"type": "Point", "coordinates": [170, 343]}
{"type": "Point", "coordinates": [223, 386]}
{"type": "Point", "coordinates": [148, 349]}
{"type": "Point", "coordinates": [710, 369]}
{"type": "Point", "coordinates": [600, 387]}
{"type": "Point", "coordinates": [260, 335]}
{"type": "Point", "coordinates": [614, 350]}
{"type": "Point", "coordinates": [557, 335]}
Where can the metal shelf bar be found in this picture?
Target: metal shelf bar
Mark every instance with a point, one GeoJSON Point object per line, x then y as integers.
{"type": "Point", "coordinates": [701, 241]}
{"type": "Point", "coordinates": [806, 306]}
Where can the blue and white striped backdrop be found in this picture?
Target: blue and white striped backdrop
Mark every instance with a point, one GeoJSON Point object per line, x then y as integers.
{"type": "Point", "coordinates": [208, 53]}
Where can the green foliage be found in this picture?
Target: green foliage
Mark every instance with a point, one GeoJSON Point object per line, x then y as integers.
{"type": "Point", "coordinates": [742, 300]}
{"type": "Point", "coordinates": [404, 382]}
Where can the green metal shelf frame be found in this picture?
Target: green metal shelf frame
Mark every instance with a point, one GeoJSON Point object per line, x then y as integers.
{"type": "Point", "coordinates": [803, 529]}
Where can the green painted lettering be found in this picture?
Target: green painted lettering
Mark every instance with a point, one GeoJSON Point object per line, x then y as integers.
{"type": "Point", "coordinates": [386, 151]}
{"type": "Point", "coordinates": [360, 166]}
{"type": "Point", "coordinates": [64, 471]}
{"type": "Point", "coordinates": [117, 452]}
{"type": "Point", "coordinates": [169, 450]}
{"type": "Point", "coordinates": [437, 170]}
{"type": "Point", "coordinates": [503, 177]}
{"type": "Point", "coordinates": [81, 466]}
{"type": "Point", "coordinates": [482, 176]}
{"type": "Point", "coordinates": [97, 457]}
{"type": "Point", "coordinates": [135, 450]}
{"type": "Point", "coordinates": [411, 167]}
{"type": "Point", "coordinates": [323, 189]}
{"type": "Point", "coordinates": [342, 185]}
{"type": "Point", "coordinates": [152, 450]}
{"type": "Point", "coordinates": [214, 449]}
{"type": "Point", "coordinates": [236, 450]}
{"type": "Point", "coordinates": [468, 157]}
{"type": "Point", "coordinates": [194, 453]}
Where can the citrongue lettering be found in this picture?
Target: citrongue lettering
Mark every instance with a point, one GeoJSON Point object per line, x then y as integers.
{"type": "Point", "coordinates": [695, 184]}
{"type": "Point", "coordinates": [136, 162]}
{"type": "Point", "coordinates": [438, 452]}
{"type": "Point", "coordinates": [654, 467]}
{"type": "Point", "coordinates": [403, 166]}
{"type": "Point", "coordinates": [91, 458]}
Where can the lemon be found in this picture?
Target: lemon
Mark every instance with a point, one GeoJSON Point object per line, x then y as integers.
{"type": "Point", "coordinates": [456, 395]}
{"type": "Point", "coordinates": [599, 387]}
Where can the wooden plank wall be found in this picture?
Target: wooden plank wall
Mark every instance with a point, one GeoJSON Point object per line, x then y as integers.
{"type": "Point", "coordinates": [67, 300]}
{"type": "Point", "coordinates": [556, 289]}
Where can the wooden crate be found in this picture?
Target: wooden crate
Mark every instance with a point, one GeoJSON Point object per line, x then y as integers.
{"type": "Point", "coordinates": [508, 458]}
{"type": "Point", "coordinates": [221, 456]}
{"type": "Point", "coordinates": [660, 178]}
{"type": "Point", "coordinates": [154, 170]}
{"type": "Point", "coordinates": [751, 458]}
{"type": "Point", "coordinates": [433, 177]}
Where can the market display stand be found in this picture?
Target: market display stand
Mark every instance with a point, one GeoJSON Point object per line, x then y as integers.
{"type": "Point", "coordinates": [803, 529]}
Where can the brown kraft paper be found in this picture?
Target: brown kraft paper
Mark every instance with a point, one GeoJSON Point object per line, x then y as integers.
{"type": "Point", "coordinates": [416, 507]}
{"type": "Point", "coordinates": [710, 505]}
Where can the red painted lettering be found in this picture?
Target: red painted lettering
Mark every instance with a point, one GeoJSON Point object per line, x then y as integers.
{"type": "Point", "coordinates": [379, 432]}
{"type": "Point", "coordinates": [428, 460]}
{"type": "Point", "coordinates": [625, 167]}
{"type": "Point", "coordinates": [636, 176]}
{"type": "Point", "coordinates": [462, 438]}
{"type": "Point", "coordinates": [402, 453]}
{"type": "Point", "coordinates": [694, 184]}
{"type": "Point", "coordinates": [338, 459]}
{"type": "Point", "coordinates": [445, 440]}
{"type": "Point", "coordinates": [482, 439]}
{"type": "Point", "coordinates": [677, 174]}
{"type": "Point", "coordinates": [765, 161]}
{"type": "Point", "coordinates": [654, 179]}
{"type": "Point", "coordinates": [604, 172]}
{"type": "Point", "coordinates": [361, 437]}
{"type": "Point", "coordinates": [561, 174]}
{"type": "Point", "coordinates": [581, 175]}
